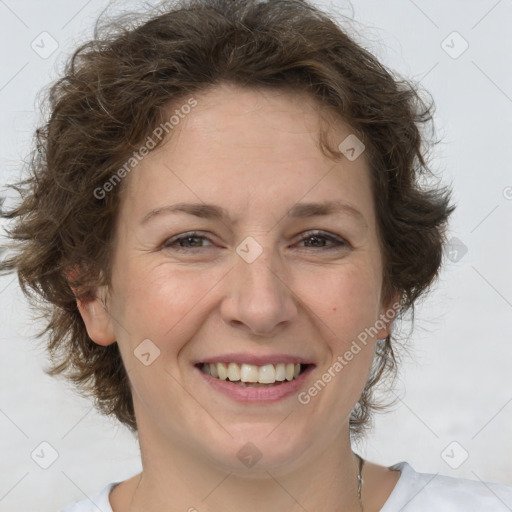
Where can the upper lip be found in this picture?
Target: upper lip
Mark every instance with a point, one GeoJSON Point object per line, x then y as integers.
{"type": "Point", "coordinates": [257, 360]}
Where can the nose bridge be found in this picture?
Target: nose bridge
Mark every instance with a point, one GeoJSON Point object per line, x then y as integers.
{"type": "Point", "coordinates": [257, 262]}
{"type": "Point", "coordinates": [258, 296]}
{"type": "Point", "coordinates": [257, 265]}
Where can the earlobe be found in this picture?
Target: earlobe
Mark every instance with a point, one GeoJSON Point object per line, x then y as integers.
{"type": "Point", "coordinates": [95, 315]}
{"type": "Point", "coordinates": [387, 317]}
{"type": "Point", "coordinates": [97, 319]}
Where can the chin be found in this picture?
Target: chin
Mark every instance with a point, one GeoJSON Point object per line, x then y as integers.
{"type": "Point", "coordinates": [257, 449]}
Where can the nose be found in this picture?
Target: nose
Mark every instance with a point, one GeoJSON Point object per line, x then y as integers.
{"type": "Point", "coordinates": [259, 299]}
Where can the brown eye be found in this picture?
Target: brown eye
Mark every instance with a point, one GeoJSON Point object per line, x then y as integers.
{"type": "Point", "coordinates": [320, 240]}
{"type": "Point", "coordinates": [185, 242]}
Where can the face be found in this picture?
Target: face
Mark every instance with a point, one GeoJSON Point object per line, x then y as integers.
{"type": "Point", "coordinates": [218, 260]}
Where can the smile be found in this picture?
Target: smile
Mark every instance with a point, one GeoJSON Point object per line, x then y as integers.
{"type": "Point", "coordinates": [250, 375]}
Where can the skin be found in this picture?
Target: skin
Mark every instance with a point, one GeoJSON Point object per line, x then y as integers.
{"type": "Point", "coordinates": [256, 154]}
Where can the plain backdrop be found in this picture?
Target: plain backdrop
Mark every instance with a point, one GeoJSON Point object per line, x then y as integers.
{"type": "Point", "coordinates": [453, 412]}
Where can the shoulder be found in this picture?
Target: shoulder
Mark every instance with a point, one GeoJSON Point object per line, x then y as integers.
{"type": "Point", "coordinates": [97, 502]}
{"type": "Point", "coordinates": [424, 492]}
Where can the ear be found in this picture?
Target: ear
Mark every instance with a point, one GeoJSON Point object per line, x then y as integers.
{"type": "Point", "coordinates": [97, 319]}
{"type": "Point", "coordinates": [95, 315]}
{"type": "Point", "coordinates": [388, 313]}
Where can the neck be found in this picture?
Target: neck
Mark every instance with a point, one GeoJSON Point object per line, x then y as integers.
{"type": "Point", "coordinates": [174, 478]}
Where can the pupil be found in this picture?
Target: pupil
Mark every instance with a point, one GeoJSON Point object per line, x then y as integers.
{"type": "Point", "coordinates": [187, 240]}
{"type": "Point", "coordinates": [317, 240]}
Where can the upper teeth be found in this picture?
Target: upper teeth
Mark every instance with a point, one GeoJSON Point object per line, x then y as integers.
{"type": "Point", "coordinates": [266, 374]}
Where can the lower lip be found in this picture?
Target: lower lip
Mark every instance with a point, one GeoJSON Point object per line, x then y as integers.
{"type": "Point", "coordinates": [257, 395]}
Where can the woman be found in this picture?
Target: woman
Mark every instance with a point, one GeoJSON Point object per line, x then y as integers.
{"type": "Point", "coordinates": [225, 218]}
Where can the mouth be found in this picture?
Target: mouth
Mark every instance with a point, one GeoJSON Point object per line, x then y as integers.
{"type": "Point", "coordinates": [254, 376]}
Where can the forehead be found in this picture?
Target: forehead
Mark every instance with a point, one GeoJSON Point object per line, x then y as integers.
{"type": "Point", "coordinates": [249, 146]}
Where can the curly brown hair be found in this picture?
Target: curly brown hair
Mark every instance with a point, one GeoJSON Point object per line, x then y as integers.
{"type": "Point", "coordinates": [113, 94]}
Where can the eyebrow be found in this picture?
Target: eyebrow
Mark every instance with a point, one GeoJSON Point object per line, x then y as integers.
{"type": "Point", "coordinates": [299, 210]}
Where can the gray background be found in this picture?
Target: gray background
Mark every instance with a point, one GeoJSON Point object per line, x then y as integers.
{"type": "Point", "coordinates": [454, 395]}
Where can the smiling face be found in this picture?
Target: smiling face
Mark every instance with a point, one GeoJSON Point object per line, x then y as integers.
{"type": "Point", "coordinates": [217, 259]}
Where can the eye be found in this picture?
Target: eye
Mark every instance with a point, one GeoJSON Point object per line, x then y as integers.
{"type": "Point", "coordinates": [185, 242]}
{"type": "Point", "coordinates": [195, 240]}
{"type": "Point", "coordinates": [320, 239]}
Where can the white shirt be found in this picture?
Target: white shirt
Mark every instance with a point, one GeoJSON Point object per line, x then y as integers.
{"type": "Point", "coordinates": [414, 492]}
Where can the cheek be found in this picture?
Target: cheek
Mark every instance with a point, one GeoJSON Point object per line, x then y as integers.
{"type": "Point", "coordinates": [160, 302]}
{"type": "Point", "coordinates": [347, 304]}
{"type": "Point", "coordinates": [166, 306]}
{"type": "Point", "coordinates": [346, 300]}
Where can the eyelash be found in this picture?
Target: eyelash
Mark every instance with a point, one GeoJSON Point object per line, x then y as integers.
{"type": "Point", "coordinates": [339, 242]}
